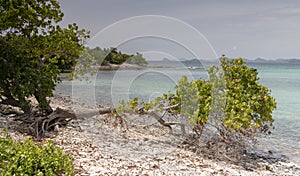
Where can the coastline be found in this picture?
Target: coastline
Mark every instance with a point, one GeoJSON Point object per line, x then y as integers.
{"type": "Point", "coordinates": [102, 148]}
{"type": "Point", "coordinates": [125, 66]}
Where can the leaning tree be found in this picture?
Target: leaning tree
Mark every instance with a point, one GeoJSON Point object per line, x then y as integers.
{"type": "Point", "coordinates": [33, 50]}
{"type": "Point", "coordinates": [232, 101]}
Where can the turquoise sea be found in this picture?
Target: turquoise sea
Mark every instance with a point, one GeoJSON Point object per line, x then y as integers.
{"type": "Point", "coordinates": [109, 87]}
{"type": "Point", "coordinates": [284, 82]}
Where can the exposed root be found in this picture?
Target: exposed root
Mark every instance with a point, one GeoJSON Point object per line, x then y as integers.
{"type": "Point", "coordinates": [38, 126]}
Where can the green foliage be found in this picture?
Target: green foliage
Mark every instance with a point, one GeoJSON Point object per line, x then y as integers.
{"type": "Point", "coordinates": [195, 97]}
{"type": "Point", "coordinates": [233, 100]}
{"type": "Point", "coordinates": [249, 105]}
{"type": "Point", "coordinates": [33, 50]}
{"type": "Point", "coordinates": [27, 158]}
{"type": "Point", "coordinates": [158, 102]}
{"type": "Point", "coordinates": [137, 59]}
{"type": "Point", "coordinates": [127, 107]}
{"type": "Point", "coordinates": [115, 57]}
{"type": "Point", "coordinates": [112, 56]}
{"type": "Point", "coordinates": [98, 55]}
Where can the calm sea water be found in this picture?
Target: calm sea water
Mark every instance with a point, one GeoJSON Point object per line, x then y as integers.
{"type": "Point", "coordinates": [109, 87]}
{"type": "Point", "coordinates": [284, 82]}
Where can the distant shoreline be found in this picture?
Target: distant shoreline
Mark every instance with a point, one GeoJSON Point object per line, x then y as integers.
{"type": "Point", "coordinates": [187, 64]}
{"type": "Point", "coordinates": [126, 66]}
{"type": "Point", "coordinates": [138, 67]}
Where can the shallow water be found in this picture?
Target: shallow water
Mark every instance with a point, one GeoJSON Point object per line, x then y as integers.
{"type": "Point", "coordinates": [284, 81]}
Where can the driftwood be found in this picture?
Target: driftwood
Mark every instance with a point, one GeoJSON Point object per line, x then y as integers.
{"type": "Point", "coordinates": [37, 126]}
{"type": "Point", "coordinates": [107, 110]}
{"type": "Point", "coordinates": [152, 113]}
{"type": "Point", "coordinates": [118, 120]}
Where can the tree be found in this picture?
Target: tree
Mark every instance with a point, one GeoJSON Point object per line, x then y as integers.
{"type": "Point", "coordinates": [98, 55]}
{"type": "Point", "coordinates": [232, 101]}
{"type": "Point", "coordinates": [113, 56]}
{"type": "Point", "coordinates": [248, 105]}
{"type": "Point", "coordinates": [34, 49]}
{"type": "Point", "coordinates": [137, 59]}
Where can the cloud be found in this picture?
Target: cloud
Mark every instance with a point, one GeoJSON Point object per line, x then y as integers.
{"type": "Point", "coordinates": [286, 11]}
{"type": "Point", "coordinates": [251, 27]}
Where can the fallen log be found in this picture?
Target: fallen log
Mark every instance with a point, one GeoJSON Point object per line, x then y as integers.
{"type": "Point", "coordinates": [107, 110]}
{"type": "Point", "coordinates": [37, 126]}
{"type": "Point", "coordinates": [152, 113]}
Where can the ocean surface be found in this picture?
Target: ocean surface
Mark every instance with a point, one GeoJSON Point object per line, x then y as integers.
{"type": "Point", "coordinates": [109, 87]}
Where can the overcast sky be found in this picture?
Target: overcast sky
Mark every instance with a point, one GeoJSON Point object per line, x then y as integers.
{"type": "Point", "coordinates": [250, 29]}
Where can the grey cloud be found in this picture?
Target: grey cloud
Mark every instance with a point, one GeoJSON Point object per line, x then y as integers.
{"type": "Point", "coordinates": [257, 28]}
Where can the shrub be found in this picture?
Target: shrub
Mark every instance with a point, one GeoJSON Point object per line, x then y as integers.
{"type": "Point", "coordinates": [28, 158]}
{"type": "Point", "coordinates": [247, 105]}
{"type": "Point", "coordinates": [232, 101]}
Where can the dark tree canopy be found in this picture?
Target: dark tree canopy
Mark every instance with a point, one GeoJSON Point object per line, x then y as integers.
{"type": "Point", "coordinates": [33, 50]}
{"type": "Point", "coordinates": [113, 56]}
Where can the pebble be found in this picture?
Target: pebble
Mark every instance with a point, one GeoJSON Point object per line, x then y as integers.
{"type": "Point", "coordinates": [103, 150]}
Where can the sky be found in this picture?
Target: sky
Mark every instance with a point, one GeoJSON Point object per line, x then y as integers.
{"type": "Point", "coordinates": [250, 29]}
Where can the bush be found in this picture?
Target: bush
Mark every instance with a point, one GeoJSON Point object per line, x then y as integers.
{"type": "Point", "coordinates": [232, 101]}
{"type": "Point", "coordinates": [28, 158]}
{"type": "Point", "coordinates": [247, 105]}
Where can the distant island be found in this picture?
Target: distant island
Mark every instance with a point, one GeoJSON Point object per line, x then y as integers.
{"type": "Point", "coordinates": [279, 60]}
{"type": "Point", "coordinates": [117, 60]}
{"type": "Point", "coordinates": [198, 62]}
{"type": "Point", "coordinates": [106, 59]}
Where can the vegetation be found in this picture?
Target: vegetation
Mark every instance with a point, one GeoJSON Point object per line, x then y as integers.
{"type": "Point", "coordinates": [248, 104]}
{"type": "Point", "coordinates": [105, 56]}
{"type": "Point", "coordinates": [27, 158]}
{"type": "Point", "coordinates": [137, 59]}
{"type": "Point", "coordinates": [232, 101]}
{"type": "Point", "coordinates": [33, 50]}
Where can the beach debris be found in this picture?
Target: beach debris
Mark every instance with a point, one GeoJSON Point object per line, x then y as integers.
{"type": "Point", "coordinates": [38, 125]}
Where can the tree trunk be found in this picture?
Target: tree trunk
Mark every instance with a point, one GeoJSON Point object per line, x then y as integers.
{"type": "Point", "coordinates": [25, 106]}
{"type": "Point", "coordinates": [10, 100]}
{"type": "Point", "coordinates": [43, 103]}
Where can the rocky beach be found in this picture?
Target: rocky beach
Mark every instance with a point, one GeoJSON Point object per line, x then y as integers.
{"type": "Point", "coordinates": [101, 146]}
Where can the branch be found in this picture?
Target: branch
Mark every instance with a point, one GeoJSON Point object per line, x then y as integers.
{"type": "Point", "coordinates": [162, 121]}
{"type": "Point", "coordinates": [171, 107]}
{"type": "Point", "coordinates": [107, 110]}
{"type": "Point", "coordinates": [151, 112]}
